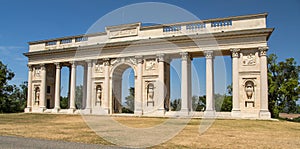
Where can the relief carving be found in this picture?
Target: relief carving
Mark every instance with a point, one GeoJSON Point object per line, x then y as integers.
{"type": "Point", "coordinates": [249, 60]}
{"type": "Point", "coordinates": [150, 65]}
{"type": "Point", "coordinates": [37, 72]}
{"type": "Point", "coordinates": [99, 68]}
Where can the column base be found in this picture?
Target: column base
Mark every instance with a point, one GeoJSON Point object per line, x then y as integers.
{"type": "Point", "coordinates": [27, 110]}
{"type": "Point", "coordinates": [160, 112]}
{"type": "Point", "coordinates": [71, 111]}
{"type": "Point", "coordinates": [41, 109]}
{"type": "Point", "coordinates": [264, 114]}
{"type": "Point", "coordinates": [86, 111]}
{"type": "Point", "coordinates": [55, 110]}
{"type": "Point", "coordinates": [138, 112]}
{"type": "Point", "coordinates": [236, 113]}
{"type": "Point", "coordinates": [209, 114]}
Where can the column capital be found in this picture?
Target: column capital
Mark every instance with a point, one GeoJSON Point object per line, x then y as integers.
{"type": "Point", "coordinates": [161, 57]}
{"type": "Point", "coordinates": [209, 54]}
{"type": "Point", "coordinates": [235, 52]}
{"type": "Point", "coordinates": [185, 56]}
{"type": "Point", "coordinates": [89, 62]}
{"type": "Point", "coordinates": [43, 67]}
{"type": "Point", "coordinates": [139, 59]}
{"type": "Point", "coordinates": [30, 68]}
{"type": "Point", "coordinates": [263, 51]}
{"type": "Point", "coordinates": [57, 64]}
{"type": "Point", "coordinates": [106, 61]}
{"type": "Point", "coordinates": [73, 63]}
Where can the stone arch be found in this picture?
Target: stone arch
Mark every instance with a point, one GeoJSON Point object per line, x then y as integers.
{"type": "Point", "coordinates": [116, 85]}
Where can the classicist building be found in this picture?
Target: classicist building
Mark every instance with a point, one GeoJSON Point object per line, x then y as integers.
{"type": "Point", "coordinates": [148, 50]}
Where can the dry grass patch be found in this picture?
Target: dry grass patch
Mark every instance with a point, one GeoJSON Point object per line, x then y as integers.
{"type": "Point", "coordinates": [47, 126]}
{"type": "Point", "coordinates": [222, 134]}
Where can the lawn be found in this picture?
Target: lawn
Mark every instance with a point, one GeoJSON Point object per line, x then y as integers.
{"type": "Point", "coordinates": [221, 134]}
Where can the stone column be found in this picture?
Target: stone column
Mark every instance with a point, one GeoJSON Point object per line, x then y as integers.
{"type": "Point", "coordinates": [210, 106]}
{"type": "Point", "coordinates": [161, 84]}
{"type": "Point", "coordinates": [264, 111]}
{"type": "Point", "coordinates": [84, 86]}
{"type": "Point", "coordinates": [72, 87]}
{"type": "Point", "coordinates": [235, 83]}
{"type": "Point", "coordinates": [138, 110]}
{"type": "Point", "coordinates": [29, 90]}
{"type": "Point", "coordinates": [57, 88]}
{"type": "Point", "coordinates": [43, 88]}
{"type": "Point", "coordinates": [185, 82]}
{"type": "Point", "coordinates": [106, 88]}
{"type": "Point", "coordinates": [88, 87]}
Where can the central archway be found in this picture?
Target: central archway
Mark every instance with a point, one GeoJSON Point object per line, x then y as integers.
{"type": "Point", "coordinates": [119, 79]}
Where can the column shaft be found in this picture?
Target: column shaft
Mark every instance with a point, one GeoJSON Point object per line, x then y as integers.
{"type": "Point", "coordinates": [264, 111]}
{"type": "Point", "coordinates": [57, 87]}
{"type": "Point", "coordinates": [29, 90]}
{"type": "Point", "coordinates": [73, 86]}
{"type": "Point", "coordinates": [84, 86]}
{"type": "Point", "coordinates": [106, 88]}
{"type": "Point", "coordinates": [161, 82]}
{"type": "Point", "coordinates": [43, 88]}
{"type": "Point", "coordinates": [89, 85]}
{"type": "Point", "coordinates": [138, 99]}
{"type": "Point", "coordinates": [185, 82]}
{"type": "Point", "coordinates": [235, 82]}
{"type": "Point", "coordinates": [209, 81]}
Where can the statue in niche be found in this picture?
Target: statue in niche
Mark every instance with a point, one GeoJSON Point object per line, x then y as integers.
{"type": "Point", "coordinates": [150, 65]}
{"type": "Point", "coordinates": [249, 59]}
{"type": "Point", "coordinates": [249, 89]}
{"type": "Point", "coordinates": [150, 93]}
{"type": "Point", "coordinates": [98, 94]}
{"type": "Point", "coordinates": [37, 95]}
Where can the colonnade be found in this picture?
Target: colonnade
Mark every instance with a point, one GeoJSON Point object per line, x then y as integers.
{"type": "Point", "coordinates": [186, 84]}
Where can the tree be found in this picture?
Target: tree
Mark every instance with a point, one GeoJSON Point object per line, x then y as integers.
{"type": "Point", "coordinates": [129, 102]}
{"type": "Point", "coordinates": [5, 88]}
{"type": "Point", "coordinates": [283, 81]}
{"type": "Point", "coordinates": [198, 103]}
{"type": "Point", "coordinates": [78, 96]}
{"type": "Point", "coordinates": [176, 105]}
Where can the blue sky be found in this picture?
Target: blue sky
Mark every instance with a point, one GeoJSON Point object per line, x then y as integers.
{"type": "Point", "coordinates": [30, 20]}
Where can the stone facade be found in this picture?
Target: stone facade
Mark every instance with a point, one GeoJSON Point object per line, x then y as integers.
{"type": "Point", "coordinates": [148, 51]}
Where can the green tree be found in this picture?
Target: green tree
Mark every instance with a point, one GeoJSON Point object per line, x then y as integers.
{"type": "Point", "coordinates": [5, 89]}
{"type": "Point", "coordinates": [176, 105]}
{"type": "Point", "coordinates": [78, 96]}
{"type": "Point", "coordinates": [64, 102]}
{"type": "Point", "coordinates": [198, 103]}
{"type": "Point", "coordinates": [129, 101]}
{"type": "Point", "coordinates": [283, 81]}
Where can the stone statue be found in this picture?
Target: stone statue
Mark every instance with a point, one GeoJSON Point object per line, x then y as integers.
{"type": "Point", "coordinates": [249, 89]}
{"type": "Point", "coordinates": [99, 94]}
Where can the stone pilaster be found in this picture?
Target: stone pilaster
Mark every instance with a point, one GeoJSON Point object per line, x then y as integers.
{"type": "Point", "coordinates": [72, 87]}
{"type": "Point", "coordinates": [57, 88]}
{"type": "Point", "coordinates": [235, 83]}
{"type": "Point", "coordinates": [29, 90]}
{"type": "Point", "coordinates": [138, 109]}
{"type": "Point", "coordinates": [186, 101]}
{"type": "Point", "coordinates": [210, 103]}
{"type": "Point", "coordinates": [106, 88]}
{"type": "Point", "coordinates": [43, 88]}
{"type": "Point", "coordinates": [264, 111]}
